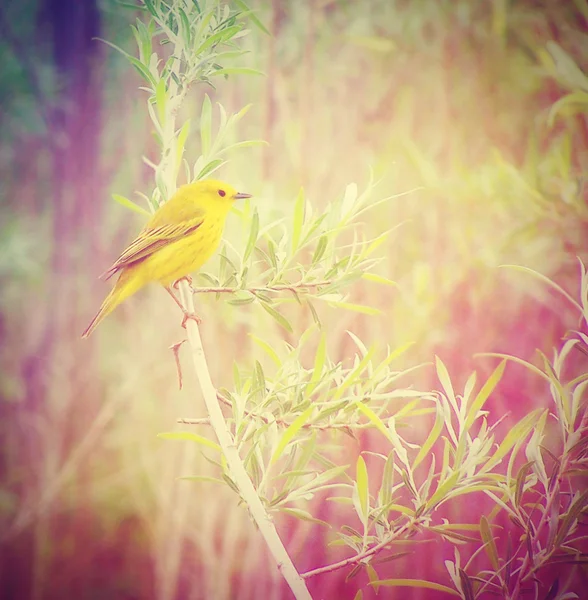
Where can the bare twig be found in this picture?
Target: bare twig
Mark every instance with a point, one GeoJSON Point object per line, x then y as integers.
{"type": "Point", "coordinates": [292, 287]}
{"type": "Point", "coordinates": [235, 465]}
{"type": "Point", "coordinates": [175, 348]}
{"type": "Point", "coordinates": [352, 560]}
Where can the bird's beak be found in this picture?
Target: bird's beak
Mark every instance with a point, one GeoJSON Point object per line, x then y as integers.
{"type": "Point", "coordinates": [240, 195]}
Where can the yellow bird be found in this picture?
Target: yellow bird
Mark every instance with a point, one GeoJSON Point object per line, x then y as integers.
{"type": "Point", "coordinates": [178, 239]}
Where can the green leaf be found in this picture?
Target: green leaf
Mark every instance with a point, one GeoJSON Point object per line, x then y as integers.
{"type": "Point", "coordinates": [484, 394]}
{"type": "Point", "coordinates": [236, 71]}
{"type": "Point", "coordinates": [216, 38]}
{"type": "Point", "coordinates": [186, 29]}
{"type": "Point", "coordinates": [579, 505]}
{"type": "Point", "coordinates": [320, 249]}
{"type": "Point", "coordinates": [253, 235]}
{"type": "Point", "coordinates": [161, 100]}
{"type": "Point", "coordinates": [359, 308]}
{"type": "Point", "coordinates": [414, 583]}
{"type": "Point", "coordinates": [363, 493]}
{"type": "Point", "coordinates": [192, 437]}
{"type": "Point", "coordinates": [181, 140]}
{"type": "Point", "coordinates": [244, 144]}
{"type": "Point", "coordinates": [303, 515]}
{"type": "Point", "coordinates": [445, 380]}
{"type": "Point", "coordinates": [466, 585]}
{"type": "Point", "coordinates": [252, 17]}
{"type": "Point", "coordinates": [139, 66]}
{"type": "Point", "coordinates": [277, 316]}
{"type": "Point", "coordinates": [290, 432]}
{"type": "Point", "coordinates": [443, 489]}
{"type": "Point", "coordinates": [319, 363]}
{"type": "Point", "coordinates": [516, 435]}
{"type": "Point", "coordinates": [209, 168]}
{"type": "Point", "coordinates": [373, 417]}
{"type": "Point", "coordinates": [130, 204]}
{"type": "Point", "coordinates": [353, 376]}
{"type": "Point", "coordinates": [378, 279]}
{"type": "Point", "coordinates": [489, 544]}
{"type": "Point", "coordinates": [520, 483]}
{"type": "Point", "coordinates": [385, 493]}
{"type": "Point", "coordinates": [298, 220]}
{"type": "Point", "coordinates": [431, 438]}
{"type": "Point", "coordinates": [206, 125]}
{"type": "Point", "coordinates": [267, 349]}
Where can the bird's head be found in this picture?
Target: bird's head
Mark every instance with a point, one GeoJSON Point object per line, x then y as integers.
{"type": "Point", "coordinates": [212, 194]}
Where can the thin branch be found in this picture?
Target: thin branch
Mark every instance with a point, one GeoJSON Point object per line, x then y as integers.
{"type": "Point", "coordinates": [363, 555]}
{"type": "Point", "coordinates": [235, 465]}
{"type": "Point", "coordinates": [292, 287]}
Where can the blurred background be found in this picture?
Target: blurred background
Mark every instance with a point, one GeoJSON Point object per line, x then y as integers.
{"type": "Point", "coordinates": [452, 99]}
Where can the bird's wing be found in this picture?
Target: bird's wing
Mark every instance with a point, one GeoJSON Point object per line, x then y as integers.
{"type": "Point", "coordinates": [151, 239]}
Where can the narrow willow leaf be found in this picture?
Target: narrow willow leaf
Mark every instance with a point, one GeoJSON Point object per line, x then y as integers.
{"type": "Point", "coordinates": [319, 363]}
{"type": "Point", "coordinates": [353, 376]}
{"type": "Point", "coordinates": [277, 316]}
{"type": "Point", "coordinates": [161, 100]}
{"type": "Point", "coordinates": [363, 493]}
{"type": "Point", "coordinates": [569, 518]}
{"type": "Point", "coordinates": [251, 16]}
{"type": "Point", "coordinates": [313, 312]}
{"type": "Point", "coordinates": [290, 432]}
{"type": "Point", "coordinates": [373, 417]}
{"type": "Point", "coordinates": [431, 438]}
{"type": "Point", "coordinates": [484, 394]}
{"type": "Point", "coordinates": [253, 235]}
{"type": "Point", "coordinates": [415, 583]}
{"type": "Point", "coordinates": [520, 483]}
{"type": "Point", "coordinates": [192, 437]}
{"type": "Point", "coordinates": [303, 515]}
{"type": "Point", "coordinates": [353, 573]}
{"type": "Point", "coordinates": [489, 543]}
{"type": "Point", "coordinates": [385, 493]}
{"type": "Point", "coordinates": [320, 249]}
{"type": "Point", "coordinates": [298, 220]}
{"type": "Point", "coordinates": [358, 595]}
{"type": "Point", "coordinates": [359, 308]}
{"type": "Point", "coordinates": [517, 360]}
{"type": "Point", "coordinates": [216, 38]}
{"type": "Point", "coordinates": [516, 435]}
{"type": "Point", "coordinates": [181, 140]}
{"type": "Point", "coordinates": [371, 573]}
{"type": "Point", "coordinates": [130, 204]}
{"type": "Point", "coordinates": [210, 167]}
{"type": "Point", "coordinates": [205, 125]}
{"type": "Point", "coordinates": [466, 585]}
{"type": "Point", "coordinates": [267, 349]}
{"type": "Point", "coordinates": [404, 510]}
{"type": "Point", "coordinates": [243, 144]}
{"type": "Point", "coordinates": [445, 380]}
{"type": "Point", "coordinates": [237, 71]}
{"type": "Point", "coordinates": [378, 279]}
{"type": "Point", "coordinates": [241, 301]}
{"type": "Point", "coordinates": [443, 489]}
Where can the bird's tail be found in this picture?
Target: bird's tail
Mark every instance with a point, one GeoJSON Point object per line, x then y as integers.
{"type": "Point", "coordinates": [128, 283]}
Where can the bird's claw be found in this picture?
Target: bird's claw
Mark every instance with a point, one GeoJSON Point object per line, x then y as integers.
{"type": "Point", "coordinates": [188, 316]}
{"type": "Point", "coordinates": [187, 278]}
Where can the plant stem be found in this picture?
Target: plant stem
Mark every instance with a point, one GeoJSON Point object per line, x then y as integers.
{"type": "Point", "coordinates": [234, 462]}
{"type": "Point", "coordinates": [268, 288]}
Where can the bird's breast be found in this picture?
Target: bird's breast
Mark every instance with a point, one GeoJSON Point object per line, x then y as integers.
{"type": "Point", "coordinates": [183, 256]}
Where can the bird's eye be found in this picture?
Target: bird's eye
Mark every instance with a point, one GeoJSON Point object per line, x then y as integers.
{"type": "Point", "coordinates": [222, 193]}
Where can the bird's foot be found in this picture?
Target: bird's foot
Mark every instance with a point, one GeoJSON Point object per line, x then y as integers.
{"type": "Point", "coordinates": [187, 278]}
{"type": "Point", "coordinates": [190, 316]}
